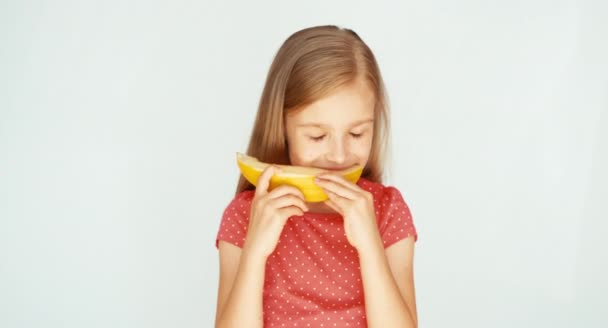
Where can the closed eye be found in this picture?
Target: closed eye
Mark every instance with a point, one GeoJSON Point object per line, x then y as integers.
{"type": "Point", "coordinates": [356, 135]}
{"type": "Point", "coordinates": [318, 138]}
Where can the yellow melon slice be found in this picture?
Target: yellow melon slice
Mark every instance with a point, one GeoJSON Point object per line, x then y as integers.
{"type": "Point", "coordinates": [298, 176]}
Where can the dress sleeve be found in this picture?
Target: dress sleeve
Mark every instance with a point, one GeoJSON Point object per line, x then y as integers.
{"type": "Point", "coordinates": [396, 218]}
{"type": "Point", "coordinates": [235, 220]}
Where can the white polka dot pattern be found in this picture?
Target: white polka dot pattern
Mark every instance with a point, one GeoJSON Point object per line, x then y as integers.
{"type": "Point", "coordinates": [313, 278]}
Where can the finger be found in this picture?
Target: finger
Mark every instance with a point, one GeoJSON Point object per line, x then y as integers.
{"type": "Point", "coordinates": [264, 180]}
{"type": "Point", "coordinates": [337, 188]}
{"type": "Point", "coordinates": [287, 212]}
{"type": "Point", "coordinates": [339, 180]}
{"type": "Point", "coordinates": [337, 200]}
{"type": "Point", "coordinates": [288, 200]}
{"type": "Point", "coordinates": [285, 190]}
{"type": "Point", "coordinates": [334, 206]}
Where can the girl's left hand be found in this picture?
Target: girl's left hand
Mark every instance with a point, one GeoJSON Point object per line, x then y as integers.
{"type": "Point", "coordinates": [356, 207]}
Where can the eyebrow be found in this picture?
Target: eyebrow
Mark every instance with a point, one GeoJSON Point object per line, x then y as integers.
{"type": "Point", "coordinates": [356, 123]}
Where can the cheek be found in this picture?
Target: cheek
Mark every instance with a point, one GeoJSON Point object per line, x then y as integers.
{"type": "Point", "coordinates": [362, 149]}
{"type": "Point", "coordinates": [301, 152]}
{"type": "Point", "coordinates": [306, 157]}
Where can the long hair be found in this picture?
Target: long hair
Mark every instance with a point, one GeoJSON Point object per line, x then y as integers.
{"type": "Point", "coordinates": [311, 64]}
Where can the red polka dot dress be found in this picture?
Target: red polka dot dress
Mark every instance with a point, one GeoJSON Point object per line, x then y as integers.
{"type": "Point", "coordinates": [313, 278]}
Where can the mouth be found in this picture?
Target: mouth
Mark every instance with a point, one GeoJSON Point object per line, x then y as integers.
{"type": "Point", "coordinates": [337, 168]}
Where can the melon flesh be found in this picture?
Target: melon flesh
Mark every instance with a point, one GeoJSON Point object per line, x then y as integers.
{"type": "Point", "coordinates": [298, 176]}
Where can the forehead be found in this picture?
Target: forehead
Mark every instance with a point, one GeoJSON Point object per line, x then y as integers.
{"type": "Point", "coordinates": [347, 105]}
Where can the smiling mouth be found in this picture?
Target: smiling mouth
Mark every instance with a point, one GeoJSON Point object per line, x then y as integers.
{"type": "Point", "coordinates": [337, 168]}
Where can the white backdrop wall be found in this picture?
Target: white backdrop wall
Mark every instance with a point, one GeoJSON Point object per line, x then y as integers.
{"type": "Point", "coordinates": [119, 121]}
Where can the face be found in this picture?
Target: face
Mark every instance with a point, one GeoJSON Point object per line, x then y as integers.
{"type": "Point", "coordinates": [335, 132]}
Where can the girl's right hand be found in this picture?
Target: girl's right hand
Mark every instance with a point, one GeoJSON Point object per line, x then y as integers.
{"type": "Point", "coordinates": [269, 213]}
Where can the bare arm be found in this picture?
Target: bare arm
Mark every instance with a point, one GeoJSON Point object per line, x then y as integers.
{"type": "Point", "coordinates": [239, 301]}
{"type": "Point", "coordinates": [388, 284]}
{"type": "Point", "coordinates": [387, 275]}
{"type": "Point", "coordinates": [240, 293]}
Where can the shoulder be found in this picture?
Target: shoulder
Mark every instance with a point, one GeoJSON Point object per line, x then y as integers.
{"type": "Point", "coordinates": [235, 220]}
{"type": "Point", "coordinates": [240, 204]}
{"type": "Point", "coordinates": [384, 195]}
{"type": "Point", "coordinates": [392, 212]}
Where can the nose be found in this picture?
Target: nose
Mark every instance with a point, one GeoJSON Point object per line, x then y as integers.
{"type": "Point", "coordinates": [337, 151]}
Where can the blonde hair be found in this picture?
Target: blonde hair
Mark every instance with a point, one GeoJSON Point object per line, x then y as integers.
{"type": "Point", "coordinates": [311, 64]}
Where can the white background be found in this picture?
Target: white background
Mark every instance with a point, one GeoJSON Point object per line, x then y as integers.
{"type": "Point", "coordinates": [119, 123]}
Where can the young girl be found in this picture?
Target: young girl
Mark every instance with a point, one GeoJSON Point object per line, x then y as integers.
{"type": "Point", "coordinates": [345, 262]}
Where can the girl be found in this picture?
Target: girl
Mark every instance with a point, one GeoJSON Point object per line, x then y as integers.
{"type": "Point", "coordinates": [346, 262]}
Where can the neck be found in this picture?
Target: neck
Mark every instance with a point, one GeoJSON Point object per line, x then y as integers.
{"type": "Point", "coordinates": [319, 208]}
